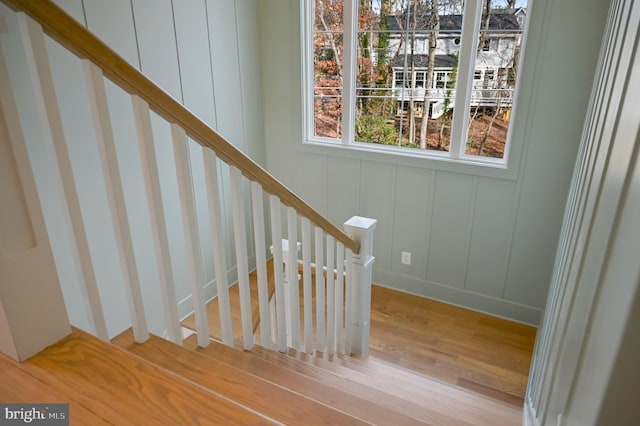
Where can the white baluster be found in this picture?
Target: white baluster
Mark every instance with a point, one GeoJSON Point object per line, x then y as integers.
{"type": "Point", "coordinates": [218, 238]}
{"type": "Point", "coordinates": [276, 249]}
{"type": "Point", "coordinates": [49, 114]}
{"type": "Point", "coordinates": [331, 318]}
{"type": "Point", "coordinates": [242, 262]}
{"type": "Point", "coordinates": [261, 264]}
{"type": "Point", "coordinates": [142, 120]}
{"type": "Point", "coordinates": [272, 318]}
{"type": "Point", "coordinates": [288, 276]}
{"type": "Point", "coordinates": [350, 298]}
{"type": "Point", "coordinates": [306, 284]}
{"type": "Point", "coordinates": [320, 290]}
{"type": "Point", "coordinates": [286, 286]}
{"type": "Point", "coordinates": [191, 233]}
{"type": "Point", "coordinates": [115, 194]}
{"type": "Point", "coordinates": [361, 230]}
{"type": "Point", "coordinates": [339, 304]}
{"type": "Point", "coordinates": [293, 277]}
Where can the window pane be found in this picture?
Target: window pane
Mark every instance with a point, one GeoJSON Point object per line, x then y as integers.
{"type": "Point", "coordinates": [327, 72]}
{"type": "Point", "coordinates": [406, 72]}
{"type": "Point", "coordinates": [328, 15]}
{"type": "Point", "coordinates": [496, 70]}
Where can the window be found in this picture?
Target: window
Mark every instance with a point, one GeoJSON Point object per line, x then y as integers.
{"type": "Point", "coordinates": [441, 79]}
{"type": "Point", "coordinates": [422, 76]}
{"type": "Point", "coordinates": [400, 79]}
{"type": "Point", "coordinates": [488, 78]}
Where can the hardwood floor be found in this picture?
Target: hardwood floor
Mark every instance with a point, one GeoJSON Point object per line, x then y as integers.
{"type": "Point", "coordinates": [213, 312]}
{"type": "Point", "coordinates": [106, 385]}
{"type": "Point", "coordinates": [475, 351]}
{"type": "Point", "coordinates": [298, 388]}
{"type": "Point", "coordinates": [258, 395]}
{"type": "Point", "coordinates": [469, 369]}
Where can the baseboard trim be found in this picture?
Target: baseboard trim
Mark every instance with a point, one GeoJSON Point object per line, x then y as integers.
{"type": "Point", "coordinates": [528, 419]}
{"type": "Point", "coordinates": [459, 297]}
{"type": "Point", "coordinates": [185, 306]}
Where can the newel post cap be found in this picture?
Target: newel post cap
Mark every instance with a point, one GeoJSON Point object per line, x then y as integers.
{"type": "Point", "coordinates": [361, 230]}
{"type": "Point", "coordinates": [360, 225]}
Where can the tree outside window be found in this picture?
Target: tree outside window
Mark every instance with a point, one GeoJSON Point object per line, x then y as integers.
{"type": "Point", "coordinates": [402, 63]}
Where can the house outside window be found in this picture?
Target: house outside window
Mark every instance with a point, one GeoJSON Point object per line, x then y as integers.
{"type": "Point", "coordinates": [442, 77]}
{"type": "Point", "coordinates": [421, 76]}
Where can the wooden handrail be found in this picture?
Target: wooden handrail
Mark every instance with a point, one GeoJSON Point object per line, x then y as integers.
{"type": "Point", "coordinates": [58, 25]}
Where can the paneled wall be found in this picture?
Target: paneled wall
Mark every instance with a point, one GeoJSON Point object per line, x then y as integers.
{"type": "Point", "coordinates": [480, 238]}
{"type": "Point", "coordinates": [484, 239]}
{"type": "Point", "coordinates": [585, 365]}
{"type": "Point", "coordinates": [203, 53]}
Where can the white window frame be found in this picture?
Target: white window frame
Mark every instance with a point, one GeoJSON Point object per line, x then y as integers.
{"type": "Point", "coordinates": [471, 28]}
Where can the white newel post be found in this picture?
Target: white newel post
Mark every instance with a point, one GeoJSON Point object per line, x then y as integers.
{"type": "Point", "coordinates": [287, 286]}
{"type": "Point", "coordinates": [360, 229]}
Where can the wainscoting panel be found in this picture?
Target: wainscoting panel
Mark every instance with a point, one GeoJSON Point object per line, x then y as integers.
{"type": "Point", "coordinates": [376, 201]}
{"type": "Point", "coordinates": [343, 186]}
{"type": "Point", "coordinates": [449, 237]}
{"type": "Point", "coordinates": [491, 233]}
{"type": "Point", "coordinates": [413, 191]}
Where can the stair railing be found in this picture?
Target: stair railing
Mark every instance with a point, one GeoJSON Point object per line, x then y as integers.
{"type": "Point", "coordinates": [341, 325]}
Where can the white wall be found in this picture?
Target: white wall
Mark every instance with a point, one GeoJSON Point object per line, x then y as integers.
{"type": "Point", "coordinates": [32, 311]}
{"type": "Point", "coordinates": [484, 239]}
{"type": "Point", "coordinates": [196, 52]}
{"type": "Point", "coordinates": [585, 365]}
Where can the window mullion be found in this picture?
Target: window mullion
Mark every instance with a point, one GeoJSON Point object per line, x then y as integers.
{"type": "Point", "coordinates": [349, 71]}
{"type": "Point", "coordinates": [308, 12]}
{"type": "Point", "coordinates": [466, 64]}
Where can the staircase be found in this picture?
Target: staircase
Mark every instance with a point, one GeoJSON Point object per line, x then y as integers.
{"type": "Point", "coordinates": [251, 216]}
{"type": "Point", "coordinates": [159, 382]}
{"type": "Point", "coordinates": [143, 379]}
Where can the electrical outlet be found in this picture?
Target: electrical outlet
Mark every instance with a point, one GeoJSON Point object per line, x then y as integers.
{"type": "Point", "coordinates": [406, 258]}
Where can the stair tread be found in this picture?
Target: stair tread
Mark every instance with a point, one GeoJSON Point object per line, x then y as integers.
{"type": "Point", "coordinates": [372, 366]}
{"type": "Point", "coordinates": [273, 400]}
{"type": "Point", "coordinates": [369, 405]}
{"type": "Point", "coordinates": [118, 388]}
{"type": "Point", "coordinates": [437, 401]}
{"type": "Point", "coordinates": [25, 387]}
{"type": "Point", "coordinates": [339, 362]}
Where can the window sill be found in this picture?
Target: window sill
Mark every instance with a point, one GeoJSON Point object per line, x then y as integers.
{"type": "Point", "coordinates": [425, 159]}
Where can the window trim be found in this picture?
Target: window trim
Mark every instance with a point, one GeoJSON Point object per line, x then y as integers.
{"type": "Point", "coordinates": [448, 159]}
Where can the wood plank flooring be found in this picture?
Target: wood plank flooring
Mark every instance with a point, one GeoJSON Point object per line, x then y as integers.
{"type": "Point", "coordinates": [472, 355]}
{"type": "Point", "coordinates": [106, 385]}
{"type": "Point", "coordinates": [213, 311]}
{"type": "Point", "coordinates": [319, 384]}
{"type": "Point", "coordinates": [259, 395]}
{"type": "Point", "coordinates": [374, 391]}
{"type": "Point", "coordinates": [475, 351]}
